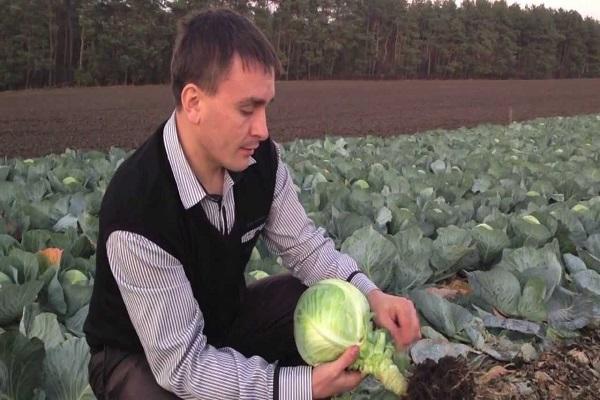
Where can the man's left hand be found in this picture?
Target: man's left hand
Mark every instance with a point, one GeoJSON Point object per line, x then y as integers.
{"type": "Point", "coordinates": [396, 314]}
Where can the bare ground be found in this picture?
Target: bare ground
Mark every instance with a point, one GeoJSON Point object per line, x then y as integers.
{"type": "Point", "coordinates": [37, 122]}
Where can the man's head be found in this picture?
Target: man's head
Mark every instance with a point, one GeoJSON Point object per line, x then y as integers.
{"type": "Point", "coordinates": [205, 47]}
{"type": "Point", "coordinates": [223, 76]}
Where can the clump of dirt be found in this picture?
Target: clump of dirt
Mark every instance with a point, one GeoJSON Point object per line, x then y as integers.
{"type": "Point", "coordinates": [448, 379]}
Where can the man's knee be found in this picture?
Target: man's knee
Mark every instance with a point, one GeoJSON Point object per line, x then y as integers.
{"type": "Point", "coordinates": [117, 375]}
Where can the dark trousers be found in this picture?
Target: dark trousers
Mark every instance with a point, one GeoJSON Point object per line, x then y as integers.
{"type": "Point", "coordinates": [264, 327]}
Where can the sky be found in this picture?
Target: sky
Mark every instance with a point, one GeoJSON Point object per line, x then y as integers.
{"type": "Point", "coordinates": [587, 8]}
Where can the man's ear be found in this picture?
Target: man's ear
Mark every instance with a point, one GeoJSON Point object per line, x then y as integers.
{"type": "Point", "coordinates": [192, 102]}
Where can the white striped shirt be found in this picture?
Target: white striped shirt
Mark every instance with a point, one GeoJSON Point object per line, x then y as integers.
{"type": "Point", "coordinates": [166, 316]}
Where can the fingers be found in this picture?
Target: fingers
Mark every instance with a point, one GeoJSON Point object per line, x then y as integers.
{"type": "Point", "coordinates": [333, 378]}
{"type": "Point", "coordinates": [413, 329]}
{"type": "Point", "coordinates": [404, 323]}
{"type": "Point", "coordinates": [347, 358]}
{"type": "Point", "coordinates": [396, 314]}
{"type": "Point", "coordinates": [350, 379]}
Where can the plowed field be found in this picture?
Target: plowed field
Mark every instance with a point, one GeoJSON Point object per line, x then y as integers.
{"type": "Point", "coordinates": [37, 122]}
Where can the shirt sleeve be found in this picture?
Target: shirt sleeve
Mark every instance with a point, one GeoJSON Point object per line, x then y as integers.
{"type": "Point", "coordinates": [305, 249]}
{"type": "Point", "coordinates": [169, 323]}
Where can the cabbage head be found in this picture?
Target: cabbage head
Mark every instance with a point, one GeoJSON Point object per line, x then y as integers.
{"type": "Point", "coordinates": [333, 315]}
{"type": "Point", "coordinates": [75, 277]}
{"type": "Point", "coordinates": [4, 278]}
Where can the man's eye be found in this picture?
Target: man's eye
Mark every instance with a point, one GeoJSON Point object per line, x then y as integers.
{"type": "Point", "coordinates": [247, 112]}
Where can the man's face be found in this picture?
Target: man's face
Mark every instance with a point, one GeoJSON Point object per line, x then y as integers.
{"type": "Point", "coordinates": [234, 120]}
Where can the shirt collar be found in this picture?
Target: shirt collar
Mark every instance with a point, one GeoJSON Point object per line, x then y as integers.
{"type": "Point", "coordinates": [190, 190]}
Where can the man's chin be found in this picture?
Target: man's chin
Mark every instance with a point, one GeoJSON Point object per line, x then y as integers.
{"type": "Point", "coordinates": [239, 166]}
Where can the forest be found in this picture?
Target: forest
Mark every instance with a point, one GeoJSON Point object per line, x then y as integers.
{"type": "Point", "coordinates": [57, 43]}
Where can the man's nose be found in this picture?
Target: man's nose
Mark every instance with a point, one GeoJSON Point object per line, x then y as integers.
{"type": "Point", "coordinates": [259, 125]}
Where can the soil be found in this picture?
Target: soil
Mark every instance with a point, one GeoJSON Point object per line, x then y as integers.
{"type": "Point", "coordinates": [449, 379]}
{"type": "Point", "coordinates": [38, 122]}
{"type": "Point", "coordinates": [569, 370]}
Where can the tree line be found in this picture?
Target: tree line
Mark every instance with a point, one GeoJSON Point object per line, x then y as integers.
{"type": "Point", "coordinates": [108, 42]}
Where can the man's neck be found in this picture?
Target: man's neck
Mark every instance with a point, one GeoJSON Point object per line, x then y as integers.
{"type": "Point", "coordinates": [210, 176]}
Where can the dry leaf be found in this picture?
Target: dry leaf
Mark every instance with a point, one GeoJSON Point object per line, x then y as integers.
{"type": "Point", "coordinates": [542, 377]}
{"type": "Point", "coordinates": [579, 356]}
{"type": "Point", "coordinates": [442, 292]}
{"type": "Point", "coordinates": [556, 392]}
{"type": "Point", "coordinates": [52, 256]}
{"type": "Point", "coordinates": [494, 373]}
{"type": "Point", "coordinates": [497, 313]}
{"type": "Point", "coordinates": [462, 287]}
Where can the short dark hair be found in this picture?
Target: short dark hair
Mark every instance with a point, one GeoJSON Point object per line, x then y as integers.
{"type": "Point", "coordinates": [206, 43]}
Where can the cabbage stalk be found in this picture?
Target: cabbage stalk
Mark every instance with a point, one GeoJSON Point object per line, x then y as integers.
{"type": "Point", "coordinates": [333, 315]}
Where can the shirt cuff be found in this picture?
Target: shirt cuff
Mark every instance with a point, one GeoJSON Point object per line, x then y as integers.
{"type": "Point", "coordinates": [294, 383]}
{"type": "Point", "coordinates": [362, 282]}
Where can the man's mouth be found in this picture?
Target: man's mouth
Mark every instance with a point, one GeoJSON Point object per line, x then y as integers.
{"type": "Point", "coordinates": [248, 150]}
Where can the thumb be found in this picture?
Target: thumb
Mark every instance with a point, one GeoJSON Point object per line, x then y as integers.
{"type": "Point", "coordinates": [348, 357]}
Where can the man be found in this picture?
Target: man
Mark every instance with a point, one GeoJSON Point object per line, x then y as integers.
{"type": "Point", "coordinates": [170, 316]}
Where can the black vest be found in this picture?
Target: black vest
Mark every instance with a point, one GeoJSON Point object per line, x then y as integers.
{"type": "Point", "coordinates": [142, 197]}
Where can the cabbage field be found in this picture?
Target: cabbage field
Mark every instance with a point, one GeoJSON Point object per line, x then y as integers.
{"type": "Point", "coordinates": [493, 232]}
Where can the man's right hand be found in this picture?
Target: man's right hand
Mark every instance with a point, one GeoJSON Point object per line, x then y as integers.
{"type": "Point", "coordinates": [332, 378]}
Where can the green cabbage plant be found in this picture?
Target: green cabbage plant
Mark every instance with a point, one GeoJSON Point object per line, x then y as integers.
{"type": "Point", "coordinates": [334, 315]}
